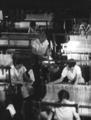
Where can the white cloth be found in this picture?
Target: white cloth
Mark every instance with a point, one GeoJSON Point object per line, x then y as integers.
{"type": "Point", "coordinates": [4, 74]}
{"type": "Point", "coordinates": [72, 73]}
{"type": "Point", "coordinates": [11, 109]}
{"type": "Point", "coordinates": [38, 47]}
{"type": "Point", "coordinates": [5, 59]}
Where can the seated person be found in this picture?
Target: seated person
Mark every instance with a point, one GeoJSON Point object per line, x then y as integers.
{"type": "Point", "coordinates": [71, 74]}
{"type": "Point", "coordinates": [62, 113]}
{"type": "Point", "coordinates": [23, 75]}
{"type": "Point", "coordinates": [65, 113]}
{"type": "Point", "coordinates": [25, 78]}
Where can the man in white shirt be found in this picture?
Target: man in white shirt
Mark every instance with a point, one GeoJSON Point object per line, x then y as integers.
{"type": "Point", "coordinates": [71, 73]}
{"type": "Point", "coordinates": [40, 45]}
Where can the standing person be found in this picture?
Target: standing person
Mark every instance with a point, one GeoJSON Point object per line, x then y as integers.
{"type": "Point", "coordinates": [40, 45]}
{"type": "Point", "coordinates": [17, 72]}
{"type": "Point", "coordinates": [39, 49]}
{"type": "Point", "coordinates": [71, 74]}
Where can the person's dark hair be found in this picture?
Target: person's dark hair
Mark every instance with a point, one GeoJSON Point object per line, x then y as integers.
{"type": "Point", "coordinates": [32, 24]}
{"type": "Point", "coordinates": [63, 94]}
{"type": "Point", "coordinates": [71, 62]}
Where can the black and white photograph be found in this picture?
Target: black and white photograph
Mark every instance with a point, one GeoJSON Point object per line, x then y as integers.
{"type": "Point", "coordinates": [45, 59]}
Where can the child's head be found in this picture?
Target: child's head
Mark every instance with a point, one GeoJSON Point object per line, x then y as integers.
{"type": "Point", "coordinates": [71, 63]}
{"type": "Point", "coordinates": [63, 94]}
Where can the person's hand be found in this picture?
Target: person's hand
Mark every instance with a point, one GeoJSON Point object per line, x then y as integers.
{"type": "Point", "coordinates": [51, 83]}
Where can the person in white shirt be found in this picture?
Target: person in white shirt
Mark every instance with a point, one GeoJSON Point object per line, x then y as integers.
{"type": "Point", "coordinates": [40, 45]}
{"type": "Point", "coordinates": [62, 112]}
{"type": "Point", "coordinates": [25, 78]}
{"type": "Point", "coordinates": [65, 112]}
{"type": "Point", "coordinates": [71, 73]}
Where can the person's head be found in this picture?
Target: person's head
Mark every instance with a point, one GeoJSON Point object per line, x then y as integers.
{"type": "Point", "coordinates": [33, 24]}
{"type": "Point", "coordinates": [18, 63]}
{"type": "Point", "coordinates": [71, 63]}
{"type": "Point", "coordinates": [63, 94]}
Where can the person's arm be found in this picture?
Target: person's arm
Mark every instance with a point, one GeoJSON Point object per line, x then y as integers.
{"type": "Point", "coordinates": [46, 116]}
{"type": "Point", "coordinates": [76, 115]}
{"type": "Point", "coordinates": [79, 78]}
{"type": "Point", "coordinates": [50, 116]}
{"type": "Point", "coordinates": [63, 75]}
{"type": "Point", "coordinates": [26, 77]}
{"type": "Point", "coordinates": [31, 75]}
{"type": "Point", "coordinates": [59, 80]}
